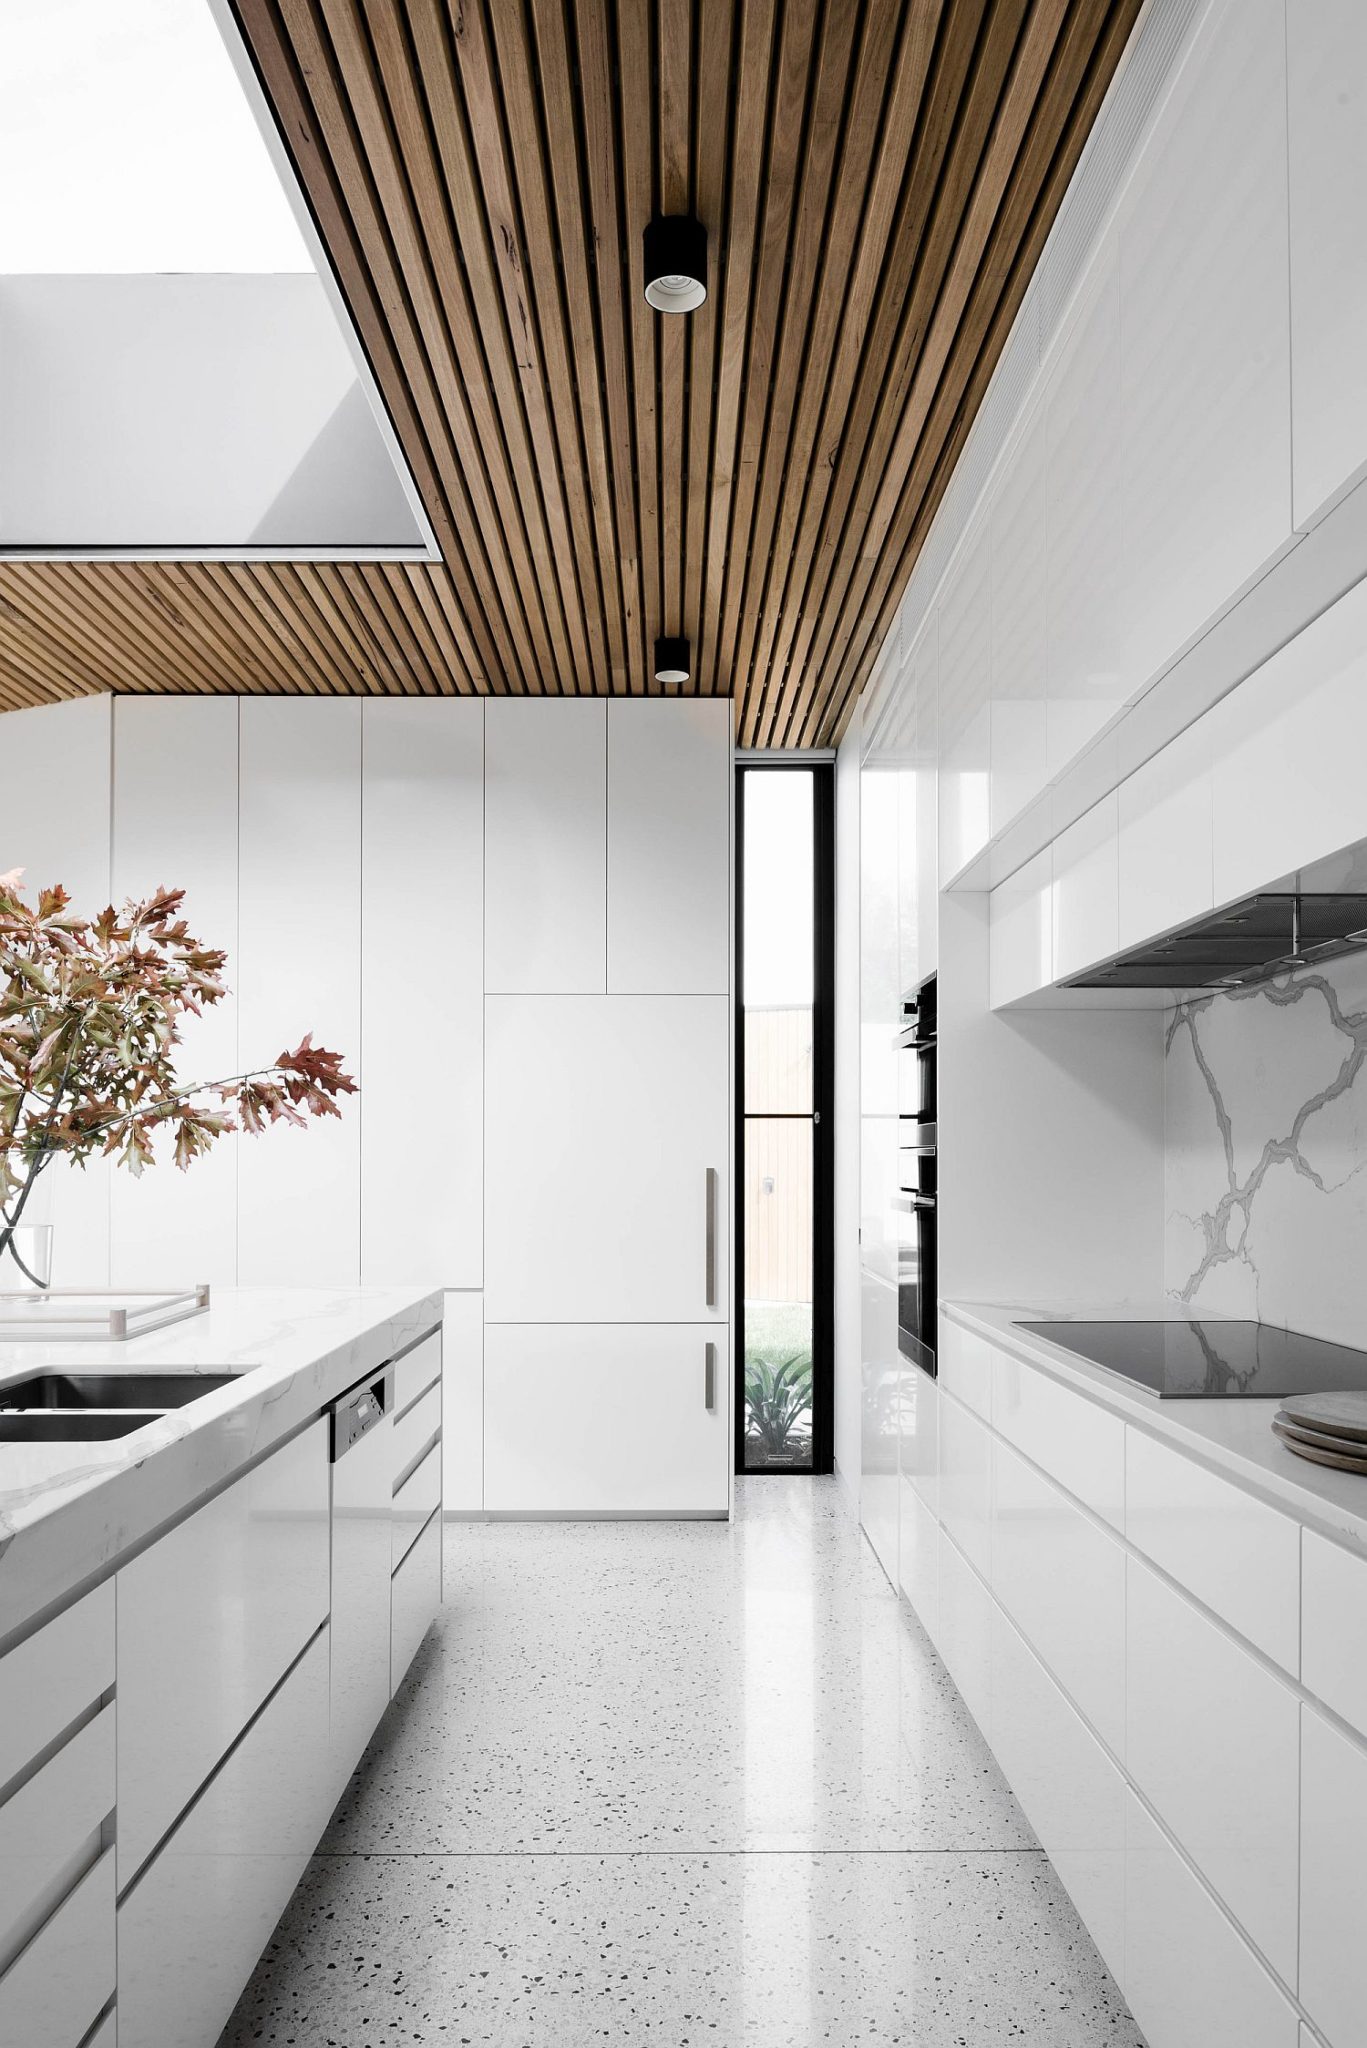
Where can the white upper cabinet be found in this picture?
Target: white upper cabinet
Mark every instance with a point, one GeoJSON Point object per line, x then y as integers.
{"type": "Point", "coordinates": [1086, 890]}
{"type": "Point", "coordinates": [422, 810]}
{"type": "Point", "coordinates": [669, 846]}
{"type": "Point", "coordinates": [1165, 853]}
{"type": "Point", "coordinates": [1016, 524]}
{"type": "Point", "coordinates": [545, 847]}
{"type": "Point", "coordinates": [1327, 102]}
{"type": "Point", "coordinates": [298, 970]}
{"type": "Point", "coordinates": [1082, 515]}
{"type": "Point", "coordinates": [607, 1138]}
{"type": "Point", "coordinates": [964, 671]}
{"type": "Point", "coordinates": [1205, 376]}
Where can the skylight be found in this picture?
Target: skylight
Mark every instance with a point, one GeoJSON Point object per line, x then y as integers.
{"type": "Point", "coordinates": [127, 144]}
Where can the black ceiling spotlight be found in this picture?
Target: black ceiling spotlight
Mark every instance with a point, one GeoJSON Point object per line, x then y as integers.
{"type": "Point", "coordinates": [676, 263]}
{"type": "Point", "coordinates": [671, 660]}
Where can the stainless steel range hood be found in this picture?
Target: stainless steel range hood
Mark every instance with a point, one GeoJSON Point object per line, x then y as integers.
{"type": "Point", "coordinates": [1250, 941]}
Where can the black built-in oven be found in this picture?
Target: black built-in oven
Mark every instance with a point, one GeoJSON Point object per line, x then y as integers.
{"type": "Point", "coordinates": [917, 1133]}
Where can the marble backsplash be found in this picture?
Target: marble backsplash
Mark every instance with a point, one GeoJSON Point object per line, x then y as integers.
{"type": "Point", "coordinates": [1266, 1145]}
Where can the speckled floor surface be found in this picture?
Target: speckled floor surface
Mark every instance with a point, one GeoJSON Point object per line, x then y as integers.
{"type": "Point", "coordinates": [680, 1783]}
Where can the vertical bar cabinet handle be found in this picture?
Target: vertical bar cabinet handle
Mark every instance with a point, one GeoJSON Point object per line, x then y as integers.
{"type": "Point", "coordinates": [710, 1246]}
{"type": "Point", "coordinates": [709, 1375]}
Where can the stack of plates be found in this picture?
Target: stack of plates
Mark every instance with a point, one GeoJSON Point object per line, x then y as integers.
{"type": "Point", "coordinates": [1331, 1429]}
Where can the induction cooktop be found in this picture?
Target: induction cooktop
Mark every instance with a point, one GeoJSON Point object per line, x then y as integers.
{"type": "Point", "coordinates": [1196, 1360]}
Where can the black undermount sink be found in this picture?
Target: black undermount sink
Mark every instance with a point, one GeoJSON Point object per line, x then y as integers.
{"type": "Point", "coordinates": [70, 1426]}
{"type": "Point", "coordinates": [78, 1390]}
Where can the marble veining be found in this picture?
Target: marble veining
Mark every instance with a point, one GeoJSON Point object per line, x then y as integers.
{"type": "Point", "coordinates": [1265, 1143]}
{"type": "Point", "coordinates": [68, 1511]}
{"type": "Point", "coordinates": [682, 1783]}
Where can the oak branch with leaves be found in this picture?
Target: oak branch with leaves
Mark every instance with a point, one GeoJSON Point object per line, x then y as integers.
{"type": "Point", "coordinates": [90, 1016]}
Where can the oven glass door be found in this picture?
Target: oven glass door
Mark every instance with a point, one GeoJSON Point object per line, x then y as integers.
{"type": "Point", "coordinates": [916, 1279]}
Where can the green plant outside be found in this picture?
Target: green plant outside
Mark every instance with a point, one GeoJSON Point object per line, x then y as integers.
{"type": "Point", "coordinates": [778, 1379]}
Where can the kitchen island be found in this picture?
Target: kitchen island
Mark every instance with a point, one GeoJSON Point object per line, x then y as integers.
{"type": "Point", "coordinates": [202, 1619]}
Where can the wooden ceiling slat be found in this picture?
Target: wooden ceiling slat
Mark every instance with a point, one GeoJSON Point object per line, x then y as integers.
{"type": "Point", "coordinates": [877, 179]}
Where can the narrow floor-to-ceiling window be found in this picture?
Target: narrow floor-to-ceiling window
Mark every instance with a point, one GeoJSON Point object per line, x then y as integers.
{"type": "Point", "coordinates": [783, 1069]}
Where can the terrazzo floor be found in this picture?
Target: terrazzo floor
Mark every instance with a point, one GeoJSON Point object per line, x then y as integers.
{"type": "Point", "coordinates": [679, 1783]}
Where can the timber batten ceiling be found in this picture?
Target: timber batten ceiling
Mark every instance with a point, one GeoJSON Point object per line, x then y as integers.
{"type": "Point", "coordinates": [877, 181]}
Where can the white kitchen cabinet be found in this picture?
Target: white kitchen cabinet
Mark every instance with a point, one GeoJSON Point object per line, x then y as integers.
{"type": "Point", "coordinates": [1205, 379]}
{"type": "Point", "coordinates": [1019, 767]}
{"type": "Point", "coordinates": [1327, 121]}
{"type": "Point", "coordinates": [1086, 890]}
{"type": "Point", "coordinates": [1287, 750]}
{"type": "Point", "coordinates": [964, 1640]}
{"type": "Point", "coordinates": [545, 846]}
{"type": "Point", "coordinates": [52, 1994]}
{"type": "Point", "coordinates": [1062, 1581]}
{"type": "Point", "coordinates": [607, 1142]}
{"type": "Point", "coordinates": [422, 898]}
{"type": "Point", "coordinates": [175, 825]}
{"type": "Point", "coordinates": [298, 971]}
{"type": "Point", "coordinates": [964, 677]}
{"type": "Point", "coordinates": [415, 1597]}
{"type": "Point", "coordinates": [610, 1419]}
{"type": "Point", "coordinates": [918, 1557]}
{"type": "Point", "coordinates": [462, 1440]}
{"type": "Point", "coordinates": [1082, 521]}
{"type": "Point", "coordinates": [966, 1481]}
{"type": "Point", "coordinates": [1238, 1556]}
{"type": "Point", "coordinates": [416, 1369]}
{"type": "Point", "coordinates": [51, 1830]}
{"type": "Point", "coordinates": [669, 846]}
{"type": "Point", "coordinates": [965, 1367]}
{"type": "Point", "coordinates": [191, 1929]}
{"type": "Point", "coordinates": [881, 1369]}
{"type": "Point", "coordinates": [1072, 1793]}
{"type": "Point", "coordinates": [1190, 1980]}
{"type": "Point", "coordinates": [1074, 1440]}
{"type": "Point", "coordinates": [56, 827]}
{"type": "Point", "coordinates": [1020, 931]}
{"type": "Point", "coordinates": [209, 1618]}
{"type": "Point", "coordinates": [919, 1446]}
{"type": "Point", "coordinates": [1334, 1655]}
{"type": "Point", "coordinates": [1230, 1799]}
{"type": "Point", "coordinates": [1333, 1957]}
{"type": "Point", "coordinates": [1165, 851]}
{"type": "Point", "coordinates": [415, 1500]}
{"type": "Point", "coordinates": [49, 1680]}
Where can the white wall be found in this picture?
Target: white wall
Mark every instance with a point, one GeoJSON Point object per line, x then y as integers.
{"type": "Point", "coordinates": [847, 1320]}
{"type": "Point", "coordinates": [191, 411]}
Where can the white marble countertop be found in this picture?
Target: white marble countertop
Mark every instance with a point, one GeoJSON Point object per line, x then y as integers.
{"type": "Point", "coordinates": [68, 1511]}
{"type": "Point", "coordinates": [1233, 1437]}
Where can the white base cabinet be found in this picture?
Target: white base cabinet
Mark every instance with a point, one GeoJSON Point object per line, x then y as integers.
{"type": "Point", "coordinates": [193, 1926]}
{"type": "Point", "coordinates": [1144, 1644]}
{"type": "Point", "coordinates": [607, 1419]}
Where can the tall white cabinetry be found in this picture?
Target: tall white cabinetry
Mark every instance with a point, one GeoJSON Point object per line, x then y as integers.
{"type": "Point", "coordinates": [607, 1376]}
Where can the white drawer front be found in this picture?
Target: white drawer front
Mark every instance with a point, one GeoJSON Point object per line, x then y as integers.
{"type": "Point", "coordinates": [50, 1996]}
{"type": "Point", "coordinates": [210, 1617]}
{"type": "Point", "coordinates": [1062, 1580]}
{"type": "Point", "coordinates": [1191, 1981]}
{"type": "Point", "coordinates": [966, 1482]}
{"type": "Point", "coordinates": [51, 1679]}
{"type": "Point", "coordinates": [1238, 1556]}
{"type": "Point", "coordinates": [1334, 1627]}
{"type": "Point", "coordinates": [415, 1372]}
{"type": "Point", "coordinates": [414, 1431]}
{"type": "Point", "coordinates": [965, 1632]}
{"type": "Point", "coordinates": [50, 1830]}
{"type": "Point", "coordinates": [918, 1553]}
{"type": "Point", "coordinates": [965, 1366]}
{"type": "Point", "coordinates": [416, 1598]}
{"type": "Point", "coordinates": [193, 1926]}
{"type": "Point", "coordinates": [920, 1435]}
{"type": "Point", "coordinates": [1072, 1793]}
{"type": "Point", "coordinates": [1071, 1438]}
{"type": "Point", "coordinates": [1213, 1743]}
{"type": "Point", "coordinates": [413, 1503]}
{"type": "Point", "coordinates": [1333, 1986]}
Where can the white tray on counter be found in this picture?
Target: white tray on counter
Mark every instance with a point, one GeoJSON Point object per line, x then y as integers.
{"type": "Point", "coordinates": [94, 1315]}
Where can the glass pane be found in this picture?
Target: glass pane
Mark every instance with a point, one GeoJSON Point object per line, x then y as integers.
{"type": "Point", "coordinates": [778, 966]}
{"type": "Point", "coordinates": [778, 1294]}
